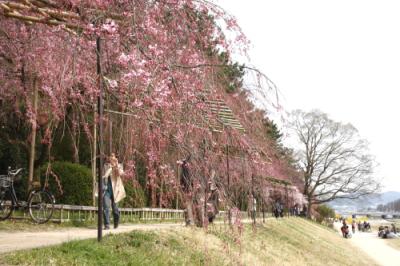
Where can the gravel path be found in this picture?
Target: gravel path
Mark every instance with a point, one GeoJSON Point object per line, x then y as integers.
{"type": "Point", "coordinates": [26, 240]}
{"type": "Point", "coordinates": [375, 247]}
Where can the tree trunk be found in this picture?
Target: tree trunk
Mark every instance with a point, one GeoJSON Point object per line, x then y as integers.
{"type": "Point", "coordinates": [75, 138]}
{"type": "Point", "coordinates": [189, 218]}
{"type": "Point", "coordinates": [229, 186]}
{"type": "Point", "coordinates": [94, 152]}
{"type": "Point", "coordinates": [309, 205]}
{"type": "Point", "coordinates": [33, 136]}
{"type": "Point", "coordinates": [161, 194]}
{"type": "Point", "coordinates": [178, 182]}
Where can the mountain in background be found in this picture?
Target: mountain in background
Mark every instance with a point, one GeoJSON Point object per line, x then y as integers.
{"type": "Point", "coordinates": [365, 202]}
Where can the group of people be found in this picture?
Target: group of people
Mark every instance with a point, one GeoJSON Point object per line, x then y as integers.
{"type": "Point", "coordinates": [386, 232]}
{"type": "Point", "coordinates": [383, 231]}
{"type": "Point", "coordinates": [295, 210]}
{"type": "Point", "coordinates": [362, 226]}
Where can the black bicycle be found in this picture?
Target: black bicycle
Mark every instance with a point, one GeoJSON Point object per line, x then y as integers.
{"type": "Point", "coordinates": [40, 202]}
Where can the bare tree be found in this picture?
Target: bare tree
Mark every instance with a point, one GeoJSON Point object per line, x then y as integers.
{"type": "Point", "coordinates": [334, 159]}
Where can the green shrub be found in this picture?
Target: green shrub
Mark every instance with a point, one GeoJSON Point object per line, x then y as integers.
{"type": "Point", "coordinates": [21, 185]}
{"type": "Point", "coordinates": [135, 196]}
{"type": "Point", "coordinates": [76, 182]}
{"type": "Point", "coordinates": [325, 212]}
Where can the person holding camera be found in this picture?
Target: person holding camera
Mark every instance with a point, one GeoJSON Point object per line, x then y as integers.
{"type": "Point", "coordinates": [114, 191]}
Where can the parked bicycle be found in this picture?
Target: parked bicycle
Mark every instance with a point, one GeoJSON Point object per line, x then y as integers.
{"type": "Point", "coordinates": [40, 202]}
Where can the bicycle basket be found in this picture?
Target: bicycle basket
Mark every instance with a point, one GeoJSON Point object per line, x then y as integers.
{"type": "Point", "coordinates": [5, 181]}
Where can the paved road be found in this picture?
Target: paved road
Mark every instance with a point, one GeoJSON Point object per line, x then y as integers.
{"type": "Point", "coordinates": [27, 240]}
{"type": "Point", "coordinates": [375, 247]}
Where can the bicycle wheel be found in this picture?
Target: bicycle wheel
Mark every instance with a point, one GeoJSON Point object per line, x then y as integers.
{"type": "Point", "coordinates": [41, 206]}
{"type": "Point", "coordinates": [6, 204]}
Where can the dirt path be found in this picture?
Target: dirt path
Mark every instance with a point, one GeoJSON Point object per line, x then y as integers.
{"type": "Point", "coordinates": [26, 240]}
{"type": "Point", "coordinates": [375, 247]}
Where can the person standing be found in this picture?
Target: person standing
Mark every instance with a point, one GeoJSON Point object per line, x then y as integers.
{"type": "Point", "coordinates": [114, 191]}
{"type": "Point", "coordinates": [345, 229]}
{"type": "Point", "coordinates": [353, 226]}
{"type": "Point", "coordinates": [278, 209]}
{"type": "Point", "coordinates": [253, 208]}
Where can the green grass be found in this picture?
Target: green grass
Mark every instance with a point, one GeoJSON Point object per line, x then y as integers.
{"type": "Point", "coordinates": [291, 241]}
{"type": "Point", "coordinates": [17, 225]}
{"type": "Point", "coordinates": [135, 248]}
{"type": "Point", "coordinates": [27, 225]}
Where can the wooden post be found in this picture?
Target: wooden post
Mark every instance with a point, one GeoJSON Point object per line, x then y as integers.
{"type": "Point", "coordinates": [33, 136]}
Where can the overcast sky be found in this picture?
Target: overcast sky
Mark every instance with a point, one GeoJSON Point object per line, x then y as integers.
{"type": "Point", "coordinates": [342, 57]}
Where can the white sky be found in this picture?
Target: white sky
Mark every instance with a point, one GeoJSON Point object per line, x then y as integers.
{"type": "Point", "coordinates": [342, 57]}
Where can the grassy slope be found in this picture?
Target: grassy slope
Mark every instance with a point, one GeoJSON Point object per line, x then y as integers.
{"type": "Point", "coordinates": [29, 226]}
{"type": "Point", "coordinates": [278, 242]}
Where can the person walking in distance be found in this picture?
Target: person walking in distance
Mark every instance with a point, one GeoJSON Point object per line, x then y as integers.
{"type": "Point", "coordinates": [114, 191]}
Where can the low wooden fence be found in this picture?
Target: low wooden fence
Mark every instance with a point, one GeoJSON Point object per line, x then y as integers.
{"type": "Point", "coordinates": [65, 213]}
{"type": "Point", "coordinates": [73, 213]}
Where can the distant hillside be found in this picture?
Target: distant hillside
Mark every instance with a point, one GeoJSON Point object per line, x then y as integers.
{"type": "Point", "coordinates": [363, 203]}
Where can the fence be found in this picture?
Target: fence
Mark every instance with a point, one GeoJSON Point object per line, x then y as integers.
{"type": "Point", "coordinates": [73, 213]}
{"type": "Point", "coordinates": [67, 213]}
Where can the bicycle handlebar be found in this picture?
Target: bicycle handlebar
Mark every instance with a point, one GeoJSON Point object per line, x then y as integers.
{"type": "Point", "coordinates": [15, 172]}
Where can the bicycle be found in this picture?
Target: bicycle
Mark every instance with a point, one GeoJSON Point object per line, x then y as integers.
{"type": "Point", "coordinates": [40, 202]}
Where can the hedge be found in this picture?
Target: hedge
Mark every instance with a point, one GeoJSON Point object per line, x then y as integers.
{"type": "Point", "coordinates": [76, 182]}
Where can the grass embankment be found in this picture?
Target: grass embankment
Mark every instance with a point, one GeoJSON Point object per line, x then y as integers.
{"type": "Point", "coordinates": [29, 226]}
{"type": "Point", "coordinates": [291, 241]}
{"type": "Point", "coordinates": [13, 225]}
